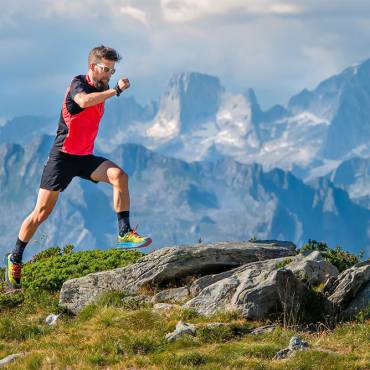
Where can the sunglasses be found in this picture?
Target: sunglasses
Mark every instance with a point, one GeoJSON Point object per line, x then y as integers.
{"type": "Point", "coordinates": [105, 68]}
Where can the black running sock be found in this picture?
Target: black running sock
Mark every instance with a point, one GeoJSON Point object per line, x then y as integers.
{"type": "Point", "coordinates": [123, 222]}
{"type": "Point", "coordinates": [18, 250]}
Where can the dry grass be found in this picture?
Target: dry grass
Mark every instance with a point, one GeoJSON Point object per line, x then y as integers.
{"type": "Point", "coordinates": [108, 336]}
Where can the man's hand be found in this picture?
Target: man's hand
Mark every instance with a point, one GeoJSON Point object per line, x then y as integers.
{"type": "Point", "coordinates": [124, 83]}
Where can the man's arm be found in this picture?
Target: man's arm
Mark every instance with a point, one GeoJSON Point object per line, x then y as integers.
{"type": "Point", "coordinates": [88, 100]}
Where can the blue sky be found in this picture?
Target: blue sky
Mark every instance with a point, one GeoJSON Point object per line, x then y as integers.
{"type": "Point", "coordinates": [275, 47]}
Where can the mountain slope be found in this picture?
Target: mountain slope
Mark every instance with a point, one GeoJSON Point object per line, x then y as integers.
{"type": "Point", "coordinates": [179, 202]}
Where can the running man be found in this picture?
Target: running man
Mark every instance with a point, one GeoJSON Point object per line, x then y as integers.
{"type": "Point", "coordinates": [72, 155]}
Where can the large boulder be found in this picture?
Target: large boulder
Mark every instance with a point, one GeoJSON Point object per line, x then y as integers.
{"type": "Point", "coordinates": [258, 289]}
{"type": "Point", "coordinates": [255, 289]}
{"type": "Point", "coordinates": [350, 292]}
{"type": "Point", "coordinates": [168, 265]}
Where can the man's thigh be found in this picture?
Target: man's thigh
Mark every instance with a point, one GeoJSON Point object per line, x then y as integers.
{"type": "Point", "coordinates": [105, 171]}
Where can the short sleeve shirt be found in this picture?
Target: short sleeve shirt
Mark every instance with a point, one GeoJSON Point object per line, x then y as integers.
{"type": "Point", "coordinates": [78, 127]}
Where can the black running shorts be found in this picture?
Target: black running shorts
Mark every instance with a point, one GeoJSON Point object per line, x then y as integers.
{"type": "Point", "coordinates": [61, 168]}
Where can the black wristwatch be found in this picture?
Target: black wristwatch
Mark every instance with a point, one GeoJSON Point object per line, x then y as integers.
{"type": "Point", "coordinates": [118, 89]}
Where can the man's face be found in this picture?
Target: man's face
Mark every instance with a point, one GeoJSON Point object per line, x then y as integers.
{"type": "Point", "coordinates": [100, 73]}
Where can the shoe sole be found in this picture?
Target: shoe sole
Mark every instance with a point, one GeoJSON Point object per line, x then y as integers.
{"type": "Point", "coordinates": [10, 285]}
{"type": "Point", "coordinates": [130, 245]}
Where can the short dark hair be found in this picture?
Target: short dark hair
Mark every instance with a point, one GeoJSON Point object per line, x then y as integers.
{"type": "Point", "coordinates": [100, 52]}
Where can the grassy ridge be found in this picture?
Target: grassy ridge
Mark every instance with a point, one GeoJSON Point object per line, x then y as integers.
{"type": "Point", "coordinates": [111, 334]}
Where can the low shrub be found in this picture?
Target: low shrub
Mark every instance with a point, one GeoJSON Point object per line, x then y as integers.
{"type": "Point", "coordinates": [49, 269]}
{"type": "Point", "coordinates": [338, 257]}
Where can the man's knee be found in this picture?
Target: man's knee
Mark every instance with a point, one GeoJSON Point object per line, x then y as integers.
{"type": "Point", "coordinates": [40, 215]}
{"type": "Point", "coordinates": [117, 176]}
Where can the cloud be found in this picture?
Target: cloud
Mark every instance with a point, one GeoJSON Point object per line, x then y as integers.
{"type": "Point", "coordinates": [135, 13]}
{"type": "Point", "coordinates": [276, 47]}
{"type": "Point", "coordinates": [189, 10]}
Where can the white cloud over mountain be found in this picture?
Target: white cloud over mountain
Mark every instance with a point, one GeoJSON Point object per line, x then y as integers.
{"type": "Point", "coordinates": [188, 10]}
{"type": "Point", "coordinates": [276, 47]}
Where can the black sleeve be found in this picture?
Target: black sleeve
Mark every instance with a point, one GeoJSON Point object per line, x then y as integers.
{"type": "Point", "coordinates": [78, 86]}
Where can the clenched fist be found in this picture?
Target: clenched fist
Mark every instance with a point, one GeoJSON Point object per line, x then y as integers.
{"type": "Point", "coordinates": [123, 83]}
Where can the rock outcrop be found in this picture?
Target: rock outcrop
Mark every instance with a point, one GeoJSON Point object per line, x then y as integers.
{"type": "Point", "coordinates": [166, 265]}
{"type": "Point", "coordinates": [261, 288]}
{"type": "Point", "coordinates": [257, 279]}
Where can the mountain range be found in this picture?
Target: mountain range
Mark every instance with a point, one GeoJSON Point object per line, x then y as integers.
{"type": "Point", "coordinates": [179, 202]}
{"type": "Point", "coordinates": [207, 163]}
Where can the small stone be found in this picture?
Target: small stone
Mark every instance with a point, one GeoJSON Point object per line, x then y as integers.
{"type": "Point", "coordinates": [182, 328]}
{"type": "Point", "coordinates": [51, 319]}
{"type": "Point", "coordinates": [263, 329]}
{"type": "Point", "coordinates": [216, 324]}
{"type": "Point", "coordinates": [296, 343]}
{"type": "Point", "coordinates": [10, 358]}
{"type": "Point", "coordinates": [283, 353]}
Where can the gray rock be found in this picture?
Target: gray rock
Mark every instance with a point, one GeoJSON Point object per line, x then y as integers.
{"type": "Point", "coordinates": [165, 265]}
{"type": "Point", "coordinates": [164, 307]}
{"type": "Point", "coordinates": [182, 329]}
{"type": "Point", "coordinates": [361, 302]}
{"type": "Point", "coordinates": [349, 283]}
{"type": "Point", "coordinates": [201, 283]}
{"type": "Point", "coordinates": [282, 354]}
{"type": "Point", "coordinates": [310, 268]}
{"type": "Point", "coordinates": [313, 269]}
{"type": "Point", "coordinates": [297, 343]}
{"type": "Point", "coordinates": [329, 285]}
{"type": "Point", "coordinates": [175, 295]}
{"type": "Point", "coordinates": [52, 319]}
{"type": "Point", "coordinates": [6, 360]}
{"type": "Point", "coordinates": [263, 329]}
{"type": "Point", "coordinates": [256, 289]}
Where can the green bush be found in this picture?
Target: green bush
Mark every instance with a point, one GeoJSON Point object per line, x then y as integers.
{"type": "Point", "coordinates": [338, 257]}
{"type": "Point", "coordinates": [49, 269]}
{"type": "Point", "coordinates": [47, 253]}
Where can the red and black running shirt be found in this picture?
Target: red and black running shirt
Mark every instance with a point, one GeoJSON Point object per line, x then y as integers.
{"type": "Point", "coordinates": [78, 127]}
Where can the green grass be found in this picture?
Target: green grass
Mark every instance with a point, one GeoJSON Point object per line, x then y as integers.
{"type": "Point", "coordinates": [119, 338]}
{"type": "Point", "coordinates": [111, 334]}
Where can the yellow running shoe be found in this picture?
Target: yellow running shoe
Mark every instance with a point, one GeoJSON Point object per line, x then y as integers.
{"type": "Point", "coordinates": [132, 240]}
{"type": "Point", "coordinates": [12, 272]}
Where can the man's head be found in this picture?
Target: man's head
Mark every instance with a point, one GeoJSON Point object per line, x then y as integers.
{"type": "Point", "coordinates": [101, 63]}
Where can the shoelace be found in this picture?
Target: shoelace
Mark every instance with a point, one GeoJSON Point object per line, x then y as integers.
{"type": "Point", "coordinates": [16, 270]}
{"type": "Point", "coordinates": [133, 231]}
